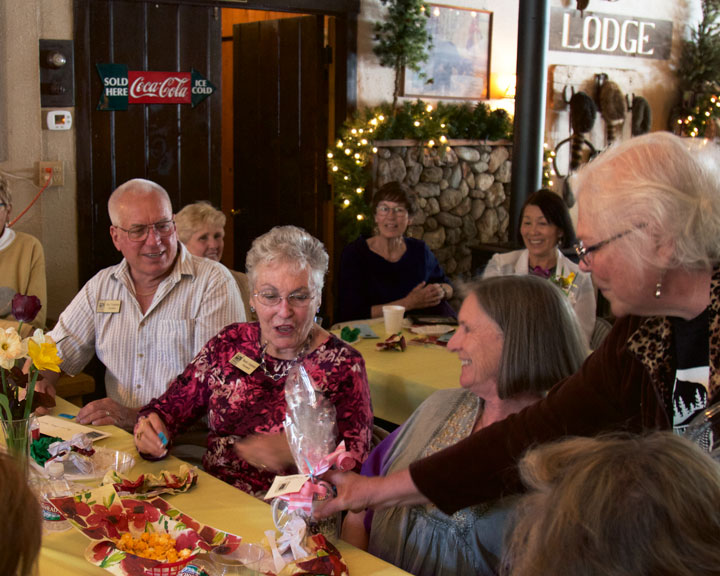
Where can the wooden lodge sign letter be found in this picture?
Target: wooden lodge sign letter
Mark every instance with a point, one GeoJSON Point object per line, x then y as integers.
{"type": "Point", "coordinates": [122, 87]}
{"type": "Point", "coordinates": [609, 34]}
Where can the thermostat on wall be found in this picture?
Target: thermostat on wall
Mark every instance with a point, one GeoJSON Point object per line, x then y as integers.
{"type": "Point", "coordinates": [59, 120]}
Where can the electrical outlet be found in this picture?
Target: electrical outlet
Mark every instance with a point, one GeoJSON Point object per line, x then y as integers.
{"type": "Point", "coordinates": [54, 169]}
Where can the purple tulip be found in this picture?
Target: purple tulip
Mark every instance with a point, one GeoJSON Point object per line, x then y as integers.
{"type": "Point", "coordinates": [25, 308]}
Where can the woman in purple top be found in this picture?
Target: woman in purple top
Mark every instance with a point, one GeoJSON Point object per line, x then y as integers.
{"type": "Point", "coordinates": [388, 268]}
{"type": "Point", "coordinates": [238, 379]}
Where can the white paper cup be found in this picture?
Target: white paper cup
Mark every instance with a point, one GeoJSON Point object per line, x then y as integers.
{"type": "Point", "coordinates": [393, 316]}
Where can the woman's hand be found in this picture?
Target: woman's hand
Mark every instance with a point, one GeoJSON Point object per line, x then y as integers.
{"type": "Point", "coordinates": [356, 493]}
{"type": "Point", "coordinates": [266, 451]}
{"type": "Point", "coordinates": [424, 295]}
{"type": "Point", "coordinates": [147, 436]}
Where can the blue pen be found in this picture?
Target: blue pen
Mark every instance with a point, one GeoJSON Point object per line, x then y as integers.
{"type": "Point", "coordinates": [163, 438]}
{"type": "Point", "coordinates": [68, 416]}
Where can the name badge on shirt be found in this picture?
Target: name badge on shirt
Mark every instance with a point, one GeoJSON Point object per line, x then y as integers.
{"type": "Point", "coordinates": [108, 306]}
{"type": "Point", "coordinates": [247, 365]}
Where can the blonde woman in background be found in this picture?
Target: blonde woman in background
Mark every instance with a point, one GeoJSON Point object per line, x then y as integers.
{"type": "Point", "coordinates": [22, 264]}
{"type": "Point", "coordinates": [201, 228]}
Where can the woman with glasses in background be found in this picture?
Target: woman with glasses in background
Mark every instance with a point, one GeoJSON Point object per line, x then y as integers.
{"type": "Point", "coordinates": [388, 268]}
{"type": "Point", "coordinates": [545, 229]}
{"type": "Point", "coordinates": [238, 379]}
{"type": "Point", "coordinates": [649, 232]}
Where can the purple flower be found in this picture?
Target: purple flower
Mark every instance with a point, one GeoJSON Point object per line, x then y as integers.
{"type": "Point", "coordinates": [25, 308]}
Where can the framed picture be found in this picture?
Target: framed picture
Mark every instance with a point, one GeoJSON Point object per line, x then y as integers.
{"type": "Point", "coordinates": [459, 61]}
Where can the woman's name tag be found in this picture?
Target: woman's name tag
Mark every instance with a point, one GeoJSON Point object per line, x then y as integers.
{"type": "Point", "coordinates": [247, 365]}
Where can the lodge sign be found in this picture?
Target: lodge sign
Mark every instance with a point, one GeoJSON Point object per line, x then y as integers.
{"type": "Point", "coordinates": [122, 87]}
{"type": "Point", "coordinates": [609, 34]}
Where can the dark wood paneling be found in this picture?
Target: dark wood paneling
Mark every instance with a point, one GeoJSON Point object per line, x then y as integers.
{"type": "Point", "coordinates": [174, 145]}
{"type": "Point", "coordinates": [335, 7]}
{"type": "Point", "coordinates": [280, 125]}
{"type": "Point", "coordinates": [163, 119]}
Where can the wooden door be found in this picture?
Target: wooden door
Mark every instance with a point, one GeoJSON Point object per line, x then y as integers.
{"type": "Point", "coordinates": [280, 128]}
{"type": "Point", "coordinates": [174, 145]}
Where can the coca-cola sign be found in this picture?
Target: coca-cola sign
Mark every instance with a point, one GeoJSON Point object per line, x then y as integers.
{"type": "Point", "coordinates": [122, 87]}
{"type": "Point", "coordinates": [159, 87]}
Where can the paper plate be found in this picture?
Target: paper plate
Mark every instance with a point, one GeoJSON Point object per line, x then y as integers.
{"type": "Point", "coordinates": [433, 329]}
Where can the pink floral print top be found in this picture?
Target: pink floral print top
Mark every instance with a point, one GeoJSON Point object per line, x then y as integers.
{"type": "Point", "coordinates": [239, 404]}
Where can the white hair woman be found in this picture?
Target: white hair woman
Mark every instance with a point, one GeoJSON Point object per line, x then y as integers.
{"type": "Point", "coordinates": [649, 232]}
{"type": "Point", "coordinates": [245, 401]}
{"type": "Point", "coordinates": [201, 228]}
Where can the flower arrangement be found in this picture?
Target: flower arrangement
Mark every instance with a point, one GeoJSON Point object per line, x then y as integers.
{"type": "Point", "coordinates": [17, 396]}
{"type": "Point", "coordinates": [565, 283]}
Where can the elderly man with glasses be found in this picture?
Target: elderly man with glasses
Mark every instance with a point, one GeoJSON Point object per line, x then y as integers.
{"type": "Point", "coordinates": [147, 316]}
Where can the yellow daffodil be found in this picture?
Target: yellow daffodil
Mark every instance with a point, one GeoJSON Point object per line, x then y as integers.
{"type": "Point", "coordinates": [44, 356]}
{"type": "Point", "coordinates": [564, 282]}
{"type": "Point", "coordinates": [11, 348]}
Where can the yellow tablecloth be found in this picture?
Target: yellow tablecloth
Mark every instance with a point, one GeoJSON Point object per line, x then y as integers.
{"type": "Point", "coordinates": [400, 381]}
{"type": "Point", "coordinates": [211, 501]}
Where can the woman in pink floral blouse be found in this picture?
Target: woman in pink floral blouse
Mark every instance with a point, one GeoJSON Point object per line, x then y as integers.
{"type": "Point", "coordinates": [238, 378]}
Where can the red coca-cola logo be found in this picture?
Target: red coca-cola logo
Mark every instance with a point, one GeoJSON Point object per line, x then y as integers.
{"type": "Point", "coordinates": [159, 87]}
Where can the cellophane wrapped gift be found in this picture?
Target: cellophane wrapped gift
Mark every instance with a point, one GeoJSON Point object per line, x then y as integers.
{"type": "Point", "coordinates": [311, 430]}
{"type": "Point", "coordinates": [310, 424]}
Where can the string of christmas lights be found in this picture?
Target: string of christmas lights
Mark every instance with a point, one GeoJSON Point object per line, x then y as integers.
{"type": "Point", "coordinates": [702, 123]}
{"type": "Point", "coordinates": [548, 168]}
{"type": "Point", "coordinates": [429, 126]}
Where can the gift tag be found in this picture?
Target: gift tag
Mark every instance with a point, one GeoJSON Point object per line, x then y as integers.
{"type": "Point", "coordinates": [247, 365]}
{"type": "Point", "coordinates": [108, 306]}
{"type": "Point", "coordinates": [286, 485]}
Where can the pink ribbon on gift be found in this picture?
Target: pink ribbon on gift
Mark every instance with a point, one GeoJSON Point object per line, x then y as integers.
{"type": "Point", "coordinates": [303, 499]}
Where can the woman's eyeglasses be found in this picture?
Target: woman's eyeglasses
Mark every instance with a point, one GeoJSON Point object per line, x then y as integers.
{"type": "Point", "coordinates": [295, 299]}
{"type": "Point", "coordinates": [585, 253]}
{"type": "Point", "coordinates": [384, 209]}
{"type": "Point", "coordinates": [139, 233]}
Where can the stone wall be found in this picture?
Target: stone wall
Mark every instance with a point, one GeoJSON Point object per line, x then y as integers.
{"type": "Point", "coordinates": [464, 195]}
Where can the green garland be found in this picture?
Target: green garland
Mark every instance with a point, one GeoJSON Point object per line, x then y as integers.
{"type": "Point", "coordinates": [699, 77]}
{"type": "Point", "coordinates": [355, 147]}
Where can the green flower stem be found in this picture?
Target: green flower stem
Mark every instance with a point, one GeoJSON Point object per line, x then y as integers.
{"type": "Point", "coordinates": [6, 405]}
{"type": "Point", "coordinates": [30, 390]}
{"type": "Point", "coordinates": [4, 382]}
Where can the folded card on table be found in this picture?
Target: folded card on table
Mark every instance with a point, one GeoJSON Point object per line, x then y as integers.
{"type": "Point", "coordinates": [63, 428]}
{"type": "Point", "coordinates": [365, 331]}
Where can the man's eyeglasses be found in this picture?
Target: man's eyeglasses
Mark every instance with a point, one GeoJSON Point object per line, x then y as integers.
{"type": "Point", "coordinates": [585, 253]}
{"type": "Point", "coordinates": [384, 209]}
{"type": "Point", "coordinates": [139, 233]}
{"type": "Point", "coordinates": [295, 299]}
